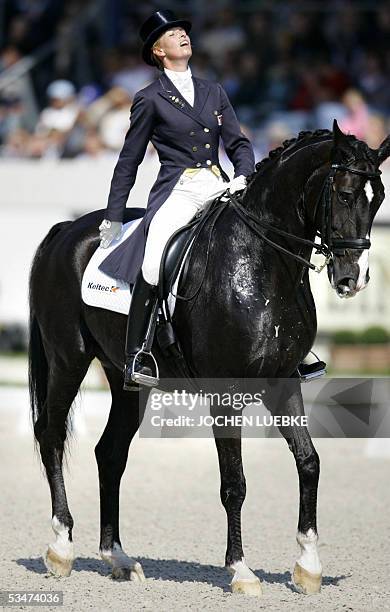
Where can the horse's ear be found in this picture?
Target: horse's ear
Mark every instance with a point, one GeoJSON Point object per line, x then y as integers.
{"type": "Point", "coordinates": [384, 150]}
{"type": "Point", "coordinates": [341, 146]}
{"type": "Point", "coordinates": [338, 135]}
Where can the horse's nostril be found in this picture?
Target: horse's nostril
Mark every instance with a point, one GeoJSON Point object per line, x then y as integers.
{"type": "Point", "coordinates": [347, 283]}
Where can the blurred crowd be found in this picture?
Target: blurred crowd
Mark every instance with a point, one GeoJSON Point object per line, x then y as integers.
{"type": "Point", "coordinates": [284, 67]}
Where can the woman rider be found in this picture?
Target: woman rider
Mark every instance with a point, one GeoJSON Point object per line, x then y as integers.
{"type": "Point", "coordinates": [184, 117]}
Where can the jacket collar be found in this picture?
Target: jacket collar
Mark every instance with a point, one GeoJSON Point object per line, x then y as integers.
{"type": "Point", "coordinates": [170, 93]}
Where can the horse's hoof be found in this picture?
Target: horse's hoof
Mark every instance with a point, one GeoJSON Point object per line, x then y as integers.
{"type": "Point", "coordinates": [247, 587]}
{"type": "Point", "coordinates": [134, 573]}
{"type": "Point", "coordinates": [58, 566]}
{"type": "Point", "coordinates": [305, 582]}
{"type": "Point", "coordinates": [123, 567]}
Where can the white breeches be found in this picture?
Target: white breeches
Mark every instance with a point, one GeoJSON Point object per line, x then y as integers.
{"type": "Point", "coordinates": [189, 195]}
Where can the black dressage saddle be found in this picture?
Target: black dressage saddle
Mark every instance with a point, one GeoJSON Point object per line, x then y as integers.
{"type": "Point", "coordinates": [178, 244]}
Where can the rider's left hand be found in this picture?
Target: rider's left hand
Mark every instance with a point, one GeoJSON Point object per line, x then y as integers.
{"type": "Point", "coordinates": [237, 184]}
{"type": "Point", "coordinates": [109, 231]}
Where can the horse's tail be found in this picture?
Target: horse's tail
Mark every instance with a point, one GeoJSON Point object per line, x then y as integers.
{"type": "Point", "coordinates": [37, 370]}
{"type": "Point", "coordinates": [37, 361]}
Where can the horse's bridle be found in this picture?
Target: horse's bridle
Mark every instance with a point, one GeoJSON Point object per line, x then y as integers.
{"type": "Point", "coordinates": [328, 245]}
{"type": "Point", "coordinates": [337, 246]}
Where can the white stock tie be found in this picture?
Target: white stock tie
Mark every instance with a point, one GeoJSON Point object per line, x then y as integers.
{"type": "Point", "coordinates": [183, 83]}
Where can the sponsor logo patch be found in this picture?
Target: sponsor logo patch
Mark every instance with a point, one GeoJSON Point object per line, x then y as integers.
{"type": "Point", "coordinates": [99, 287]}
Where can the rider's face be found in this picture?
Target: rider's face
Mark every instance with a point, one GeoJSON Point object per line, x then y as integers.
{"type": "Point", "coordinates": [174, 44]}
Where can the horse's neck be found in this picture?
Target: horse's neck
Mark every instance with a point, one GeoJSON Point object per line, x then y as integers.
{"type": "Point", "coordinates": [277, 196]}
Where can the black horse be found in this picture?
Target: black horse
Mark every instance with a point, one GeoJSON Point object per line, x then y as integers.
{"type": "Point", "coordinates": [252, 316]}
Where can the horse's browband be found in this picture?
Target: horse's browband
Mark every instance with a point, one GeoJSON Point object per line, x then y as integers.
{"type": "Point", "coordinates": [368, 175]}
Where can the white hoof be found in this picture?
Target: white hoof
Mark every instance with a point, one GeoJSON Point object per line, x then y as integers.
{"type": "Point", "coordinates": [58, 566]}
{"type": "Point", "coordinates": [247, 587]}
{"type": "Point", "coordinates": [123, 567]}
{"type": "Point", "coordinates": [244, 580]}
{"type": "Point", "coordinates": [305, 582]}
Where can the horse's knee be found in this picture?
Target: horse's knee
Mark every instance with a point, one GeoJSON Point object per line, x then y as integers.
{"type": "Point", "coordinates": [233, 493]}
{"type": "Point", "coordinates": [110, 461]}
{"type": "Point", "coordinates": [102, 458]}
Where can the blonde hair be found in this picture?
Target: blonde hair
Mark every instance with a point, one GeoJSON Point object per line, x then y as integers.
{"type": "Point", "coordinates": [159, 63]}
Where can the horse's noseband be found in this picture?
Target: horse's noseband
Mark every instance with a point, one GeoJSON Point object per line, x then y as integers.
{"type": "Point", "coordinates": [337, 246]}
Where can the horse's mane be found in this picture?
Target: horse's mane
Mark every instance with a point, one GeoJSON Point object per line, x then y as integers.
{"type": "Point", "coordinates": [302, 140]}
{"type": "Point", "coordinates": [296, 142]}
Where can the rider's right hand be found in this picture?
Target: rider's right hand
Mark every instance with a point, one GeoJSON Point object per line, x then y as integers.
{"type": "Point", "coordinates": [109, 231]}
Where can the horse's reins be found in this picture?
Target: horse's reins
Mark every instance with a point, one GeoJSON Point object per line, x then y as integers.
{"type": "Point", "coordinates": [328, 245]}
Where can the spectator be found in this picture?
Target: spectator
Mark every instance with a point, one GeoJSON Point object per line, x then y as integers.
{"type": "Point", "coordinates": [250, 87]}
{"type": "Point", "coordinates": [376, 131]}
{"type": "Point", "coordinates": [45, 145]}
{"type": "Point", "coordinates": [16, 144]}
{"type": "Point", "coordinates": [221, 35]}
{"type": "Point", "coordinates": [62, 112]}
{"type": "Point", "coordinates": [115, 123]}
{"type": "Point", "coordinates": [18, 89]}
{"type": "Point", "coordinates": [93, 146]}
{"type": "Point", "coordinates": [31, 23]}
{"type": "Point", "coordinates": [292, 66]}
{"type": "Point", "coordinates": [357, 119]}
{"type": "Point", "coordinates": [11, 116]}
{"type": "Point", "coordinates": [202, 67]}
{"type": "Point", "coordinates": [277, 133]}
{"type": "Point", "coordinates": [373, 83]}
{"type": "Point", "coordinates": [132, 74]}
{"type": "Point", "coordinates": [260, 37]}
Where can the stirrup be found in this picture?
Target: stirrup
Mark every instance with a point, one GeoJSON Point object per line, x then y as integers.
{"type": "Point", "coordinates": [144, 379]}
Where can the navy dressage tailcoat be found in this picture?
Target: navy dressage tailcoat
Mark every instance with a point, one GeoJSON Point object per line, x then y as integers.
{"type": "Point", "coordinates": [184, 137]}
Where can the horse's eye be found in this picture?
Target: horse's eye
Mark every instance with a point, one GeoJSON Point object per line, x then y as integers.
{"type": "Point", "coordinates": [345, 197]}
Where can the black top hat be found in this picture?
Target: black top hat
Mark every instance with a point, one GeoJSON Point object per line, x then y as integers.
{"type": "Point", "coordinates": [153, 27]}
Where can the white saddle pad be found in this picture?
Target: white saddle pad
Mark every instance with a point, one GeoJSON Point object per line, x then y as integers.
{"type": "Point", "coordinates": [100, 290]}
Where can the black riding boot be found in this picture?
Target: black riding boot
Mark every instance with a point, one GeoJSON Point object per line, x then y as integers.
{"type": "Point", "coordinates": [142, 304]}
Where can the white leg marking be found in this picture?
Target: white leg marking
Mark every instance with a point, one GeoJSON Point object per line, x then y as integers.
{"type": "Point", "coordinates": [244, 580]}
{"type": "Point", "coordinates": [363, 267]}
{"type": "Point", "coordinates": [241, 571]}
{"type": "Point", "coordinates": [277, 330]}
{"type": "Point", "coordinates": [63, 547]}
{"type": "Point", "coordinates": [266, 302]}
{"type": "Point", "coordinates": [309, 558]}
